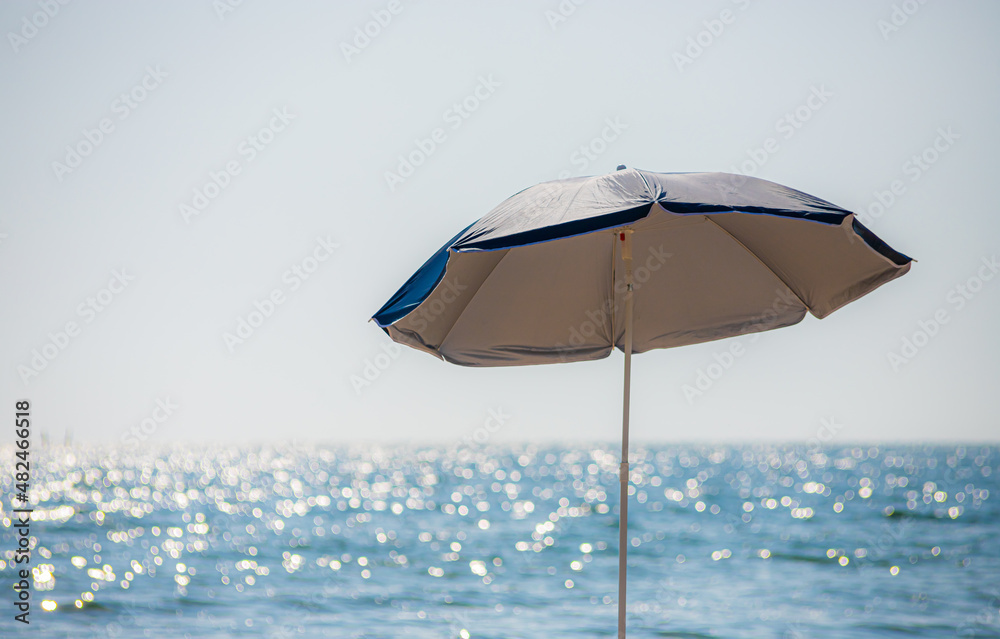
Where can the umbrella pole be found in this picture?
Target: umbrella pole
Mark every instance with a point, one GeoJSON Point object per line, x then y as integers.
{"type": "Point", "coordinates": [623, 472]}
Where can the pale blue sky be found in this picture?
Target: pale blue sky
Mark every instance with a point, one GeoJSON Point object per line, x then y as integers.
{"type": "Point", "coordinates": [546, 87]}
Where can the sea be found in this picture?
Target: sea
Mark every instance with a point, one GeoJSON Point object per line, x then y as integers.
{"type": "Point", "coordinates": [505, 541]}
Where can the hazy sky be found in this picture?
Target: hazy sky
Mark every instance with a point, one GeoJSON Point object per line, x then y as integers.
{"type": "Point", "coordinates": [167, 168]}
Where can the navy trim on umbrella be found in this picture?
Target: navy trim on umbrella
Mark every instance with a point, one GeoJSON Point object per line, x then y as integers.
{"type": "Point", "coordinates": [417, 288]}
{"type": "Point", "coordinates": [879, 245]}
{"type": "Point", "coordinates": [558, 231]}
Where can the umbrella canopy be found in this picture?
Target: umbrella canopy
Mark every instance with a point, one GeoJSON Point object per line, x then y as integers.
{"type": "Point", "coordinates": [540, 278]}
{"type": "Point", "coordinates": [569, 270]}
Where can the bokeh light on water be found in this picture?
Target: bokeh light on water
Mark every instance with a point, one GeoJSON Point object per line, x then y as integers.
{"type": "Point", "coordinates": [510, 541]}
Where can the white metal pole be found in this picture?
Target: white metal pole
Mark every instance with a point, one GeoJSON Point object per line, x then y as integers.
{"type": "Point", "coordinates": [623, 472]}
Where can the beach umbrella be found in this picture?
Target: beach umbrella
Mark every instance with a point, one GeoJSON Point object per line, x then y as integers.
{"type": "Point", "coordinates": [569, 270]}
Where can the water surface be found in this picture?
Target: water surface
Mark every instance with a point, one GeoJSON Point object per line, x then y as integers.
{"type": "Point", "coordinates": [509, 541]}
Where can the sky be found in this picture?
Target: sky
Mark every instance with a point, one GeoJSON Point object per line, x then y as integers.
{"type": "Point", "coordinates": [172, 171]}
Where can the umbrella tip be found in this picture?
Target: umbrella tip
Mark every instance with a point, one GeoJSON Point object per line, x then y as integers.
{"type": "Point", "coordinates": [620, 167]}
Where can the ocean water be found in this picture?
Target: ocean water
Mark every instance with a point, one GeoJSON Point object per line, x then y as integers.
{"type": "Point", "coordinates": [508, 541]}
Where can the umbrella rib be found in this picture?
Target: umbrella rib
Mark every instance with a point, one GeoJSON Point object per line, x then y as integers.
{"type": "Point", "coordinates": [762, 262]}
{"type": "Point", "coordinates": [576, 194]}
{"type": "Point", "coordinates": [471, 299]}
{"type": "Point", "coordinates": [653, 198]}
